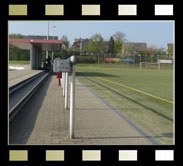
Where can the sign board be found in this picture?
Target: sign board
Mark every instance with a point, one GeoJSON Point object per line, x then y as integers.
{"type": "Point", "coordinates": [127, 60]}
{"type": "Point", "coordinates": [112, 59]}
{"type": "Point", "coordinates": [65, 65]}
{"type": "Point", "coordinates": [61, 65]}
{"type": "Point", "coordinates": [164, 61]}
{"type": "Point", "coordinates": [119, 60]}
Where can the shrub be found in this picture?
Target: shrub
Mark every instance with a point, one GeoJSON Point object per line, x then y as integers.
{"type": "Point", "coordinates": [85, 59]}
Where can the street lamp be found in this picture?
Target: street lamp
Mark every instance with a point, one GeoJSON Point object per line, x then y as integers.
{"type": "Point", "coordinates": [53, 31]}
{"type": "Point", "coordinates": [53, 39]}
{"type": "Point", "coordinates": [47, 39]}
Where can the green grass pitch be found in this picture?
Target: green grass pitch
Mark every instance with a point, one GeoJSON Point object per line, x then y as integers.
{"type": "Point", "coordinates": [153, 115]}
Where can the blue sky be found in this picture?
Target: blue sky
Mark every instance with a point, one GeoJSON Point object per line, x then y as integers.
{"type": "Point", "coordinates": [157, 33]}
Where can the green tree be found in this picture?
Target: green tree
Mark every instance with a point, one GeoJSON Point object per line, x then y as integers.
{"type": "Point", "coordinates": [117, 45]}
{"type": "Point", "coordinates": [111, 45]}
{"type": "Point", "coordinates": [119, 38]}
{"type": "Point", "coordinates": [91, 46]}
{"type": "Point", "coordinates": [17, 54]}
{"type": "Point", "coordinates": [96, 45]}
{"type": "Point", "coordinates": [16, 36]}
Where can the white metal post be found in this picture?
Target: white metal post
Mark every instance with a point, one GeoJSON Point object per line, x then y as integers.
{"type": "Point", "coordinates": [72, 98]}
{"type": "Point", "coordinates": [140, 65]}
{"type": "Point", "coordinates": [62, 81]}
{"type": "Point", "coordinates": [66, 90]}
{"type": "Point", "coordinates": [63, 84]}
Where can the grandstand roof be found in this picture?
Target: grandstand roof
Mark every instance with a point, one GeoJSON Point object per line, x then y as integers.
{"type": "Point", "coordinates": [24, 44]}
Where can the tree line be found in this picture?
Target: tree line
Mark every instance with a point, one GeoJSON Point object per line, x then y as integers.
{"type": "Point", "coordinates": [95, 51]}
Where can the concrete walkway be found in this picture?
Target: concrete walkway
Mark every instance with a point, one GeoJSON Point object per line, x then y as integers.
{"type": "Point", "coordinates": [43, 120]}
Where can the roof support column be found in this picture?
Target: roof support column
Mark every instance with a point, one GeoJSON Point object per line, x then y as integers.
{"type": "Point", "coordinates": [32, 57]}
{"type": "Point", "coordinates": [39, 58]}
{"type": "Point", "coordinates": [52, 55]}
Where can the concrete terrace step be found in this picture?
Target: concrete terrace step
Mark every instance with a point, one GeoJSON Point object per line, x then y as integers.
{"type": "Point", "coordinates": [15, 77]}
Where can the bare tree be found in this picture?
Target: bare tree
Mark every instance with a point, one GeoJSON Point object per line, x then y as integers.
{"type": "Point", "coordinates": [65, 41]}
{"type": "Point", "coordinates": [119, 36]}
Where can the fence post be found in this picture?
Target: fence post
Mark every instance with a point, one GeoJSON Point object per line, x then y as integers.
{"type": "Point", "coordinates": [158, 65]}
{"type": "Point", "coordinates": [66, 90]}
{"type": "Point", "coordinates": [72, 98]}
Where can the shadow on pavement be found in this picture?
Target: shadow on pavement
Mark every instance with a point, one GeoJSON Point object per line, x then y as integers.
{"type": "Point", "coordinates": [22, 125]}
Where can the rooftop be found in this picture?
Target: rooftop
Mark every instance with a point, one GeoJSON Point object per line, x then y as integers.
{"type": "Point", "coordinates": [24, 44]}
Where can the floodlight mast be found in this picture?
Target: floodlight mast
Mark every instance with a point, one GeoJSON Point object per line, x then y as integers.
{"type": "Point", "coordinates": [53, 39]}
{"type": "Point", "coordinates": [47, 39]}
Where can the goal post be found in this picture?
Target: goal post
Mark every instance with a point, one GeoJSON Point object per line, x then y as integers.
{"type": "Point", "coordinates": [165, 62]}
{"type": "Point", "coordinates": [148, 65]}
{"type": "Point", "coordinates": [157, 65]}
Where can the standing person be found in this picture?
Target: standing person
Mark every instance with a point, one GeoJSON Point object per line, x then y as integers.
{"type": "Point", "coordinates": [48, 63]}
{"type": "Point", "coordinates": [45, 65]}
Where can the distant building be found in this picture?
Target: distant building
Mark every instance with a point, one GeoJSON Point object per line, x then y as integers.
{"type": "Point", "coordinates": [135, 47]}
{"type": "Point", "coordinates": [83, 43]}
{"type": "Point", "coordinates": [80, 43]}
{"type": "Point", "coordinates": [76, 44]}
{"type": "Point", "coordinates": [170, 48]}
